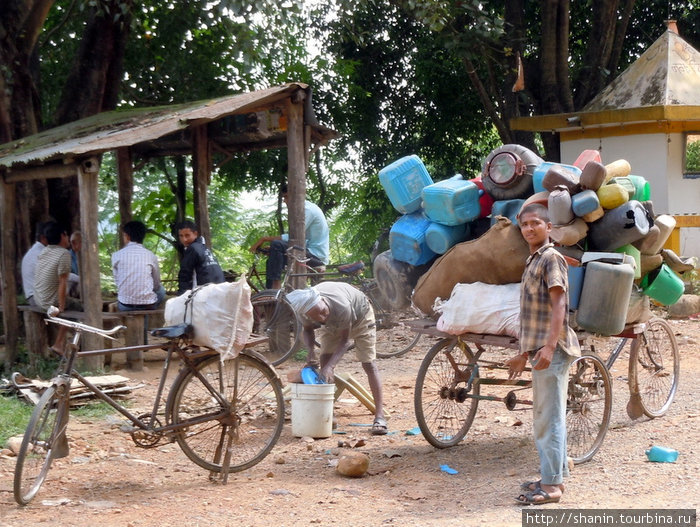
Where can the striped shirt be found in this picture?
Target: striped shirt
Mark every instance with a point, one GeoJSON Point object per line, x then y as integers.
{"type": "Point", "coordinates": [544, 269]}
{"type": "Point", "coordinates": [53, 262]}
{"type": "Point", "coordinates": [136, 274]}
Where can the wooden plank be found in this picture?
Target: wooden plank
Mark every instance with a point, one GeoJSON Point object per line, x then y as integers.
{"type": "Point", "coordinates": [89, 258]}
{"type": "Point", "coordinates": [42, 172]}
{"type": "Point", "coordinates": [8, 264]}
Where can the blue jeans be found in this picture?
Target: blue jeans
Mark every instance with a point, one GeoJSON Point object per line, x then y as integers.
{"type": "Point", "coordinates": [160, 295]}
{"type": "Point", "coordinates": [549, 389]}
{"type": "Point", "coordinates": [277, 259]}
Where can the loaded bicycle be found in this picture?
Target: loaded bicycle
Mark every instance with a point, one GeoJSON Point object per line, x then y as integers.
{"type": "Point", "coordinates": [450, 380]}
{"type": "Point", "coordinates": [275, 318]}
{"type": "Point", "coordinates": [226, 416]}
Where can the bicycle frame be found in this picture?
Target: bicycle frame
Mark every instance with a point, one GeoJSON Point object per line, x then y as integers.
{"type": "Point", "coordinates": [173, 345]}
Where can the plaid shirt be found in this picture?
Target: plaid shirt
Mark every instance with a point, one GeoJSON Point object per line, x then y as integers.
{"type": "Point", "coordinates": [544, 270]}
{"type": "Point", "coordinates": [136, 274]}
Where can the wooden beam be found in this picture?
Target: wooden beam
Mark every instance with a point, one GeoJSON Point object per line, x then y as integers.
{"type": "Point", "coordinates": [89, 259]}
{"type": "Point", "coordinates": [125, 186]}
{"type": "Point", "coordinates": [201, 176]}
{"type": "Point", "coordinates": [8, 266]}
{"type": "Point", "coordinates": [41, 172]}
{"type": "Point", "coordinates": [296, 175]}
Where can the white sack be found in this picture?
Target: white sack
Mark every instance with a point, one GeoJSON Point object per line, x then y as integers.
{"type": "Point", "coordinates": [221, 314]}
{"type": "Point", "coordinates": [481, 308]}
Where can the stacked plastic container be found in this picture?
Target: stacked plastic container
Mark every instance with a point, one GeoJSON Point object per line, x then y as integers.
{"type": "Point", "coordinates": [594, 208]}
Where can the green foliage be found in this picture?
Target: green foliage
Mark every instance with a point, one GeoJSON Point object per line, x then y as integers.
{"type": "Point", "coordinates": [692, 155]}
{"type": "Point", "coordinates": [14, 417]}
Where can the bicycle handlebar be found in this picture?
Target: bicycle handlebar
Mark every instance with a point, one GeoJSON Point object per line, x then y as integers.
{"type": "Point", "coordinates": [53, 312]}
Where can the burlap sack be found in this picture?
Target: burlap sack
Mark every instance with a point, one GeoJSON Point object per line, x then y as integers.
{"type": "Point", "coordinates": [497, 257]}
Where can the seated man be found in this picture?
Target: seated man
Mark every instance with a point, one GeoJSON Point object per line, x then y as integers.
{"type": "Point", "coordinates": [29, 263]}
{"type": "Point", "coordinates": [341, 312]}
{"type": "Point", "coordinates": [51, 278]}
{"type": "Point", "coordinates": [317, 244]}
{"type": "Point", "coordinates": [198, 265]}
{"type": "Point", "coordinates": [136, 272]}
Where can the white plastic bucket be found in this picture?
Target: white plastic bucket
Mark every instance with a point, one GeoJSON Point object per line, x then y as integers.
{"type": "Point", "coordinates": [312, 409]}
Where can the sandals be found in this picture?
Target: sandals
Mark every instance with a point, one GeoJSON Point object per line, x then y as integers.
{"type": "Point", "coordinates": [528, 498]}
{"type": "Point", "coordinates": [534, 485]}
{"type": "Point", "coordinates": [379, 427]}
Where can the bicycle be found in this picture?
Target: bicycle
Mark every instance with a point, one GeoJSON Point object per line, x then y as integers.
{"type": "Point", "coordinates": [225, 416]}
{"type": "Point", "coordinates": [275, 318]}
{"type": "Point", "coordinates": [449, 381]}
{"type": "Point", "coordinates": [452, 374]}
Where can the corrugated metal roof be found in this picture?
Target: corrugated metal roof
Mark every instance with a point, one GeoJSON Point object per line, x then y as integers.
{"type": "Point", "coordinates": [120, 128]}
{"type": "Point", "coordinates": [667, 74]}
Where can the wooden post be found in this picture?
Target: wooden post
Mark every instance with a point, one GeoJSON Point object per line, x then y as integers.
{"type": "Point", "coordinates": [125, 186]}
{"type": "Point", "coordinates": [36, 336]}
{"type": "Point", "coordinates": [201, 175]}
{"type": "Point", "coordinates": [89, 258]}
{"type": "Point", "coordinates": [133, 336]}
{"type": "Point", "coordinates": [8, 265]}
{"type": "Point", "coordinates": [296, 174]}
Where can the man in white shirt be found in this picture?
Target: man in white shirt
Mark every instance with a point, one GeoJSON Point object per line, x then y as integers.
{"type": "Point", "coordinates": [136, 272]}
{"type": "Point", "coordinates": [29, 263]}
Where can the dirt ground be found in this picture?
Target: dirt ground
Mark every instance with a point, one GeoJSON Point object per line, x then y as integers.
{"type": "Point", "coordinates": [108, 481]}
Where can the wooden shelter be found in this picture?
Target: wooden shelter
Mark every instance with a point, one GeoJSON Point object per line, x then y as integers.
{"type": "Point", "coordinates": [276, 117]}
{"type": "Point", "coordinates": [648, 115]}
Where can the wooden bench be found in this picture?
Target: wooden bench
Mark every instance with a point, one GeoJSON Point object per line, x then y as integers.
{"type": "Point", "coordinates": [136, 333]}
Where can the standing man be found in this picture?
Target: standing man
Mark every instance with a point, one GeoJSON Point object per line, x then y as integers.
{"type": "Point", "coordinates": [136, 272]}
{"type": "Point", "coordinates": [76, 243]}
{"type": "Point", "coordinates": [51, 278]}
{"type": "Point", "coordinates": [199, 265]}
{"type": "Point", "coordinates": [551, 345]}
{"type": "Point", "coordinates": [317, 243]}
{"type": "Point", "coordinates": [341, 312]}
{"type": "Point", "coordinates": [29, 263]}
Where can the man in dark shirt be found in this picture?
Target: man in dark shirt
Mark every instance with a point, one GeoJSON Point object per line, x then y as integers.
{"type": "Point", "coordinates": [198, 265]}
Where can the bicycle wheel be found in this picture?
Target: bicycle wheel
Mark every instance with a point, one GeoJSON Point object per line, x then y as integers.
{"type": "Point", "coordinates": [43, 441]}
{"type": "Point", "coordinates": [253, 422]}
{"type": "Point", "coordinates": [274, 317]}
{"type": "Point", "coordinates": [654, 367]}
{"type": "Point", "coordinates": [442, 398]}
{"type": "Point", "coordinates": [393, 339]}
{"type": "Point", "coordinates": [588, 407]}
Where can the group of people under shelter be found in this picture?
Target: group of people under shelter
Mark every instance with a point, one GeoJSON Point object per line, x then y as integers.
{"type": "Point", "coordinates": [48, 272]}
{"type": "Point", "coordinates": [342, 315]}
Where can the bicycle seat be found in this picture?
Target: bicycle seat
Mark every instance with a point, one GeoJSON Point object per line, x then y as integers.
{"type": "Point", "coordinates": [172, 332]}
{"type": "Point", "coordinates": [352, 268]}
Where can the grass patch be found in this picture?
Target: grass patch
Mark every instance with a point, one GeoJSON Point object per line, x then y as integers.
{"type": "Point", "coordinates": [300, 355]}
{"type": "Point", "coordinates": [94, 410]}
{"type": "Point", "coordinates": [14, 417]}
{"type": "Point", "coordinates": [15, 414]}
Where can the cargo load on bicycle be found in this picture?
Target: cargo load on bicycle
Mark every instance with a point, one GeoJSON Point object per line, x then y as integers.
{"type": "Point", "coordinates": [221, 315]}
{"type": "Point", "coordinates": [594, 208]}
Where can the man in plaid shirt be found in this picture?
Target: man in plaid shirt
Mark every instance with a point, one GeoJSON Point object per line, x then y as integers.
{"type": "Point", "coordinates": [136, 272]}
{"type": "Point", "coordinates": [551, 345]}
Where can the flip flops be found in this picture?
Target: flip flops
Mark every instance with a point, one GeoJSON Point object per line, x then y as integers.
{"type": "Point", "coordinates": [528, 498]}
{"type": "Point", "coordinates": [379, 427]}
{"type": "Point", "coordinates": [534, 485]}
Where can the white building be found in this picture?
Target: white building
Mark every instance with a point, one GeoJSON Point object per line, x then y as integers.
{"type": "Point", "coordinates": [649, 115]}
